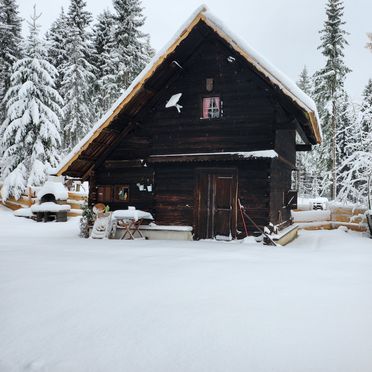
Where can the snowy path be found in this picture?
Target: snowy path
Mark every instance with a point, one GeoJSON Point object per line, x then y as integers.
{"type": "Point", "coordinates": [68, 304]}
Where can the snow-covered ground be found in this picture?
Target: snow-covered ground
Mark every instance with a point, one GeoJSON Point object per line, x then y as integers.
{"type": "Point", "coordinates": [69, 304]}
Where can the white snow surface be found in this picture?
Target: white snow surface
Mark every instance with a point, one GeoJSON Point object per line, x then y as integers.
{"type": "Point", "coordinates": [274, 73]}
{"type": "Point", "coordinates": [56, 188]}
{"type": "Point", "coordinates": [153, 226]}
{"type": "Point", "coordinates": [72, 304]}
{"type": "Point", "coordinates": [50, 207]}
{"type": "Point", "coordinates": [311, 216]}
{"type": "Point", "coordinates": [23, 212]}
{"type": "Point", "coordinates": [136, 214]}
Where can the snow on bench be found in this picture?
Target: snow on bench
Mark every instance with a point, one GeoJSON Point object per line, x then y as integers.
{"type": "Point", "coordinates": [131, 214]}
{"type": "Point", "coordinates": [50, 207]}
{"type": "Point", "coordinates": [311, 216]}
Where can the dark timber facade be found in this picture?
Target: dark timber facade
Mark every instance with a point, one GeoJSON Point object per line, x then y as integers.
{"type": "Point", "coordinates": [190, 169]}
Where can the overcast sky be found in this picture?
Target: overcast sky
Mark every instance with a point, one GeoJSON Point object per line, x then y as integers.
{"type": "Point", "coordinates": [284, 31]}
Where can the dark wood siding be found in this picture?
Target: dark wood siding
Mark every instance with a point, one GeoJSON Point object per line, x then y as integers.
{"type": "Point", "coordinates": [254, 193]}
{"type": "Point", "coordinates": [281, 169]}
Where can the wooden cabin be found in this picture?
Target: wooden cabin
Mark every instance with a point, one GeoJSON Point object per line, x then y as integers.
{"type": "Point", "coordinates": [208, 122]}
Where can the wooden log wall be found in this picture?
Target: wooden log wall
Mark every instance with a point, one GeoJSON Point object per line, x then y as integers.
{"type": "Point", "coordinates": [254, 193]}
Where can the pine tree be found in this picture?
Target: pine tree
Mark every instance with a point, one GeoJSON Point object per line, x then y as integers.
{"type": "Point", "coordinates": [31, 128]}
{"type": "Point", "coordinates": [357, 165]}
{"type": "Point", "coordinates": [329, 88]}
{"type": "Point", "coordinates": [304, 82]}
{"type": "Point", "coordinates": [56, 43]}
{"type": "Point", "coordinates": [366, 109]}
{"type": "Point", "coordinates": [106, 61]}
{"type": "Point", "coordinates": [306, 163]}
{"type": "Point", "coordinates": [132, 45]}
{"type": "Point", "coordinates": [10, 45]}
{"type": "Point", "coordinates": [78, 76]}
{"type": "Point", "coordinates": [347, 137]}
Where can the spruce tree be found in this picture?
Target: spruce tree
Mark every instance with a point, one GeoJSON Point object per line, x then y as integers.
{"type": "Point", "coordinates": [10, 45]}
{"type": "Point", "coordinates": [56, 43]}
{"type": "Point", "coordinates": [78, 76]}
{"type": "Point", "coordinates": [305, 160]}
{"type": "Point", "coordinates": [329, 89]}
{"type": "Point", "coordinates": [132, 45]}
{"type": "Point", "coordinates": [347, 137]}
{"type": "Point", "coordinates": [356, 167]}
{"type": "Point", "coordinates": [105, 60]}
{"type": "Point", "coordinates": [30, 132]}
{"type": "Point", "coordinates": [304, 82]}
{"type": "Point", "coordinates": [366, 109]}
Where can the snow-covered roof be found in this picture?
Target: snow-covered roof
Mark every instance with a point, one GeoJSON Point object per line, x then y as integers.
{"type": "Point", "coordinates": [202, 13]}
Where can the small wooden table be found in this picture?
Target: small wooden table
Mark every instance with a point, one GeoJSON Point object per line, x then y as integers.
{"type": "Point", "coordinates": [130, 221]}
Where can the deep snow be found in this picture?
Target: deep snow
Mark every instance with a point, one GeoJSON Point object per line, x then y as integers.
{"type": "Point", "coordinates": [69, 304]}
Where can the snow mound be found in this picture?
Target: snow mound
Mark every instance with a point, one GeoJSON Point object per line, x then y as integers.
{"type": "Point", "coordinates": [56, 188]}
{"type": "Point", "coordinates": [50, 207]}
{"type": "Point", "coordinates": [23, 212]}
{"type": "Point", "coordinates": [311, 216]}
{"type": "Point", "coordinates": [131, 214]}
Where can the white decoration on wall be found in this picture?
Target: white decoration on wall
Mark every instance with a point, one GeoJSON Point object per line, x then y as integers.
{"type": "Point", "coordinates": [173, 102]}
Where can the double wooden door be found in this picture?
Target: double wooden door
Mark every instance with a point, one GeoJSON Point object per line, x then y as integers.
{"type": "Point", "coordinates": [216, 203]}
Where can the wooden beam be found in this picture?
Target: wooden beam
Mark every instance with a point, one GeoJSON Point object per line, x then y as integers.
{"type": "Point", "coordinates": [118, 164]}
{"type": "Point", "coordinates": [302, 147]}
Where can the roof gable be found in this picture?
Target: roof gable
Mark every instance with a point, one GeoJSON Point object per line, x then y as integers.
{"type": "Point", "coordinates": [138, 85]}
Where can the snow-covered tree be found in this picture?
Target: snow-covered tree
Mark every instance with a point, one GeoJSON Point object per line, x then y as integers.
{"type": "Point", "coordinates": [369, 43]}
{"type": "Point", "coordinates": [366, 109]}
{"type": "Point", "coordinates": [132, 45]}
{"type": "Point", "coordinates": [357, 165]}
{"type": "Point", "coordinates": [56, 43]}
{"type": "Point", "coordinates": [348, 136]}
{"type": "Point", "coordinates": [329, 89]}
{"type": "Point", "coordinates": [78, 75]}
{"type": "Point", "coordinates": [106, 62]}
{"type": "Point", "coordinates": [306, 164]}
{"type": "Point", "coordinates": [30, 132]}
{"type": "Point", "coordinates": [10, 45]}
{"type": "Point", "coordinates": [305, 82]}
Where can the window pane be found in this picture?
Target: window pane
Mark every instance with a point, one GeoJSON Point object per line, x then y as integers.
{"type": "Point", "coordinates": [211, 107]}
{"type": "Point", "coordinates": [122, 193]}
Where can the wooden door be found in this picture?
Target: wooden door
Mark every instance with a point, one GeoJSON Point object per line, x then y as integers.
{"type": "Point", "coordinates": [216, 196]}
